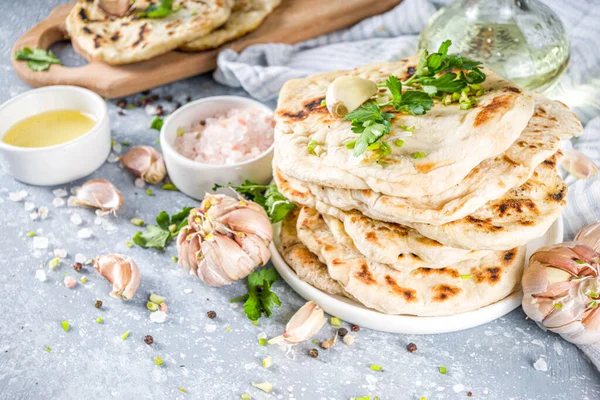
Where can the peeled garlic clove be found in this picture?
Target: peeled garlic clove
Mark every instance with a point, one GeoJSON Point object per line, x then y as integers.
{"type": "Point", "coordinates": [347, 93]}
{"type": "Point", "coordinates": [101, 194]}
{"type": "Point", "coordinates": [116, 8]}
{"type": "Point", "coordinates": [578, 164]}
{"type": "Point", "coordinates": [145, 162]}
{"type": "Point", "coordinates": [590, 235]}
{"type": "Point", "coordinates": [121, 271]}
{"type": "Point", "coordinates": [305, 323]}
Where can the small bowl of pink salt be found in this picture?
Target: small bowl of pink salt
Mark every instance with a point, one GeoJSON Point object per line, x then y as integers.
{"type": "Point", "coordinates": [218, 139]}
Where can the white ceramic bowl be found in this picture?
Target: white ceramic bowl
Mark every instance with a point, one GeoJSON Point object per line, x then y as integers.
{"type": "Point", "coordinates": [61, 163]}
{"type": "Point", "coordinates": [194, 178]}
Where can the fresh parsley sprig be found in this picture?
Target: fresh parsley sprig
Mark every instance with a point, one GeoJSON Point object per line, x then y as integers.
{"type": "Point", "coordinates": [260, 298]}
{"type": "Point", "coordinates": [267, 196]}
{"type": "Point", "coordinates": [38, 59]}
{"type": "Point", "coordinates": [167, 227]}
{"type": "Point", "coordinates": [436, 75]}
{"type": "Point", "coordinates": [158, 11]}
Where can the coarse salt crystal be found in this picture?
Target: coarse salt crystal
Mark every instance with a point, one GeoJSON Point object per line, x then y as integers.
{"type": "Point", "coordinates": [58, 202]}
{"type": "Point", "coordinates": [40, 242]}
{"type": "Point", "coordinates": [139, 182]}
{"type": "Point", "coordinates": [76, 219]}
{"type": "Point", "coordinates": [74, 190]}
{"type": "Point", "coordinates": [459, 387]}
{"type": "Point", "coordinates": [117, 148]}
{"type": "Point", "coordinates": [84, 233]}
{"type": "Point", "coordinates": [40, 275]}
{"type": "Point", "coordinates": [210, 328]}
{"type": "Point", "coordinates": [112, 157]}
{"type": "Point", "coordinates": [80, 258]}
{"type": "Point", "coordinates": [158, 317]}
{"type": "Point", "coordinates": [69, 281]}
{"type": "Point", "coordinates": [71, 201]}
{"type": "Point", "coordinates": [60, 253]}
{"type": "Point", "coordinates": [163, 307]}
{"type": "Point", "coordinates": [28, 206]}
{"type": "Point", "coordinates": [541, 365]}
{"type": "Point", "coordinates": [17, 196]}
{"type": "Point", "coordinates": [34, 216]}
{"type": "Point", "coordinates": [97, 221]}
{"type": "Point", "coordinates": [60, 193]}
{"type": "Point", "coordinates": [187, 291]}
{"type": "Point", "coordinates": [43, 212]}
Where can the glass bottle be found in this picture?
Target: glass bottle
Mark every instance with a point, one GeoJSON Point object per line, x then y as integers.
{"type": "Point", "coordinates": [522, 40]}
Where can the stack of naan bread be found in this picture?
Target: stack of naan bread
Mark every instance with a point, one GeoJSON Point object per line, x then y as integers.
{"type": "Point", "coordinates": [437, 234]}
{"type": "Point", "coordinates": [114, 31]}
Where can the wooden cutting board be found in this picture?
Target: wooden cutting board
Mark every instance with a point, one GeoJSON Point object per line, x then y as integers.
{"type": "Point", "coordinates": [293, 21]}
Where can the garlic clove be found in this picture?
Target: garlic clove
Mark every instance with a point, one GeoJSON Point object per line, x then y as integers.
{"type": "Point", "coordinates": [101, 194]}
{"type": "Point", "coordinates": [578, 164]}
{"type": "Point", "coordinates": [115, 8]}
{"type": "Point", "coordinates": [590, 235]}
{"type": "Point", "coordinates": [305, 323]}
{"type": "Point", "coordinates": [346, 93]}
{"type": "Point", "coordinates": [145, 162]}
{"type": "Point", "coordinates": [121, 271]}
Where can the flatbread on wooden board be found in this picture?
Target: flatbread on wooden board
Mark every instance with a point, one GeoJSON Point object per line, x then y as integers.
{"type": "Point", "coordinates": [246, 16]}
{"type": "Point", "coordinates": [463, 287]}
{"type": "Point", "coordinates": [454, 141]}
{"type": "Point", "coordinates": [124, 40]}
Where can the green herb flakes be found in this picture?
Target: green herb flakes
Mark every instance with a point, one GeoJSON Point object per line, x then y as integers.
{"type": "Point", "coordinates": [37, 59]}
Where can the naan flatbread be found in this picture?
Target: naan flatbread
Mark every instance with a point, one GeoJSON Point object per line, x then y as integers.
{"type": "Point", "coordinates": [123, 40]}
{"type": "Point", "coordinates": [520, 215]}
{"type": "Point", "coordinates": [246, 16]}
{"type": "Point", "coordinates": [466, 286]}
{"type": "Point", "coordinates": [551, 123]}
{"type": "Point", "coordinates": [454, 141]}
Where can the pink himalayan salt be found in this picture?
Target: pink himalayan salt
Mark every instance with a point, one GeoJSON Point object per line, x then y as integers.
{"type": "Point", "coordinates": [69, 281]}
{"type": "Point", "coordinates": [225, 139]}
{"type": "Point", "coordinates": [163, 307]}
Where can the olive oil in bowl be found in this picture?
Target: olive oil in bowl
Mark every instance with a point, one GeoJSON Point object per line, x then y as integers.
{"type": "Point", "coordinates": [49, 129]}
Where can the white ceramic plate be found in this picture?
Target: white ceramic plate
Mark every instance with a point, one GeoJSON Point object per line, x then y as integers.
{"type": "Point", "coordinates": [355, 313]}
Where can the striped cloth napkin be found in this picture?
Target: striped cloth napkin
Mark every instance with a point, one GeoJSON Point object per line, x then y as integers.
{"type": "Point", "coordinates": [262, 69]}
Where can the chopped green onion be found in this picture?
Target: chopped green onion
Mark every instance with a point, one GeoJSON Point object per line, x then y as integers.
{"type": "Point", "coordinates": [169, 186]}
{"type": "Point", "coordinates": [48, 349]}
{"type": "Point", "coordinates": [228, 329]}
{"type": "Point", "coordinates": [266, 387]}
{"type": "Point", "coordinates": [376, 367]}
{"type": "Point", "coordinates": [125, 335]}
{"type": "Point", "coordinates": [351, 144]}
{"type": "Point", "coordinates": [466, 276]}
{"type": "Point", "coordinates": [149, 192]}
{"type": "Point", "coordinates": [335, 321]}
{"type": "Point", "coordinates": [456, 96]}
{"type": "Point", "coordinates": [83, 279]}
{"type": "Point", "coordinates": [374, 146]}
{"type": "Point", "coordinates": [172, 228]}
{"type": "Point", "coordinates": [157, 299]}
{"type": "Point", "coordinates": [418, 154]}
{"type": "Point", "coordinates": [245, 396]}
{"type": "Point", "coordinates": [151, 306]}
{"type": "Point", "coordinates": [447, 100]}
{"type": "Point", "coordinates": [558, 306]}
{"type": "Point", "coordinates": [180, 131]}
{"type": "Point", "coordinates": [54, 263]}
{"type": "Point", "coordinates": [99, 320]}
{"type": "Point", "coordinates": [137, 221]}
{"type": "Point", "coordinates": [443, 370]}
{"type": "Point", "coordinates": [479, 92]}
{"type": "Point", "coordinates": [323, 103]}
{"type": "Point", "coordinates": [466, 89]}
{"type": "Point", "coordinates": [476, 86]}
{"type": "Point", "coordinates": [267, 362]}
{"type": "Point", "coordinates": [128, 244]}
{"type": "Point", "coordinates": [262, 341]}
{"type": "Point", "coordinates": [465, 106]}
{"type": "Point", "coordinates": [578, 261]}
{"type": "Point", "coordinates": [175, 259]}
{"type": "Point", "coordinates": [182, 390]}
{"type": "Point", "coordinates": [112, 143]}
{"type": "Point", "coordinates": [593, 304]}
{"type": "Point", "coordinates": [65, 325]}
{"type": "Point", "coordinates": [399, 142]}
{"type": "Point", "coordinates": [156, 123]}
{"type": "Point", "coordinates": [125, 144]}
{"type": "Point", "coordinates": [407, 129]}
{"type": "Point", "coordinates": [311, 147]}
{"type": "Point", "coordinates": [30, 234]}
{"type": "Point", "coordinates": [158, 361]}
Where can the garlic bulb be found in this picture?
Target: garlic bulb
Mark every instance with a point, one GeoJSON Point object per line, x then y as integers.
{"type": "Point", "coordinates": [99, 193]}
{"type": "Point", "coordinates": [578, 164]}
{"type": "Point", "coordinates": [116, 8]}
{"type": "Point", "coordinates": [145, 162]}
{"type": "Point", "coordinates": [561, 288]}
{"type": "Point", "coordinates": [346, 93]}
{"type": "Point", "coordinates": [121, 271]}
{"type": "Point", "coordinates": [225, 240]}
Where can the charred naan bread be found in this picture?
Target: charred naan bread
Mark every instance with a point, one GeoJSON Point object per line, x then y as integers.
{"type": "Point", "coordinates": [97, 35]}
{"type": "Point", "coordinates": [304, 263]}
{"type": "Point", "coordinates": [246, 16]}
{"type": "Point", "coordinates": [463, 287]}
{"type": "Point", "coordinates": [454, 141]}
{"type": "Point", "coordinates": [551, 123]}
{"type": "Point", "coordinates": [520, 215]}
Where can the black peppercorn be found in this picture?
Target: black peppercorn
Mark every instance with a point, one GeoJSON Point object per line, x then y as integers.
{"type": "Point", "coordinates": [188, 99]}
{"type": "Point", "coordinates": [121, 113]}
{"type": "Point", "coordinates": [314, 353]}
{"type": "Point", "coordinates": [98, 304]}
{"type": "Point", "coordinates": [355, 328]}
{"type": "Point", "coordinates": [122, 103]}
{"type": "Point", "coordinates": [77, 266]}
{"type": "Point", "coordinates": [342, 332]}
{"type": "Point", "coordinates": [160, 111]}
{"type": "Point", "coordinates": [146, 92]}
{"type": "Point", "coordinates": [148, 339]}
{"type": "Point", "coordinates": [169, 98]}
{"type": "Point", "coordinates": [470, 394]}
{"type": "Point", "coordinates": [411, 347]}
{"type": "Point", "coordinates": [211, 314]}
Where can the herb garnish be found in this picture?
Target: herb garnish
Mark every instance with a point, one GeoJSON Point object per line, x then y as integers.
{"type": "Point", "coordinates": [156, 123]}
{"type": "Point", "coordinates": [259, 298]}
{"type": "Point", "coordinates": [434, 77]}
{"type": "Point", "coordinates": [167, 227]}
{"type": "Point", "coordinates": [39, 59]}
{"type": "Point", "coordinates": [267, 196]}
{"type": "Point", "coordinates": [158, 11]}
